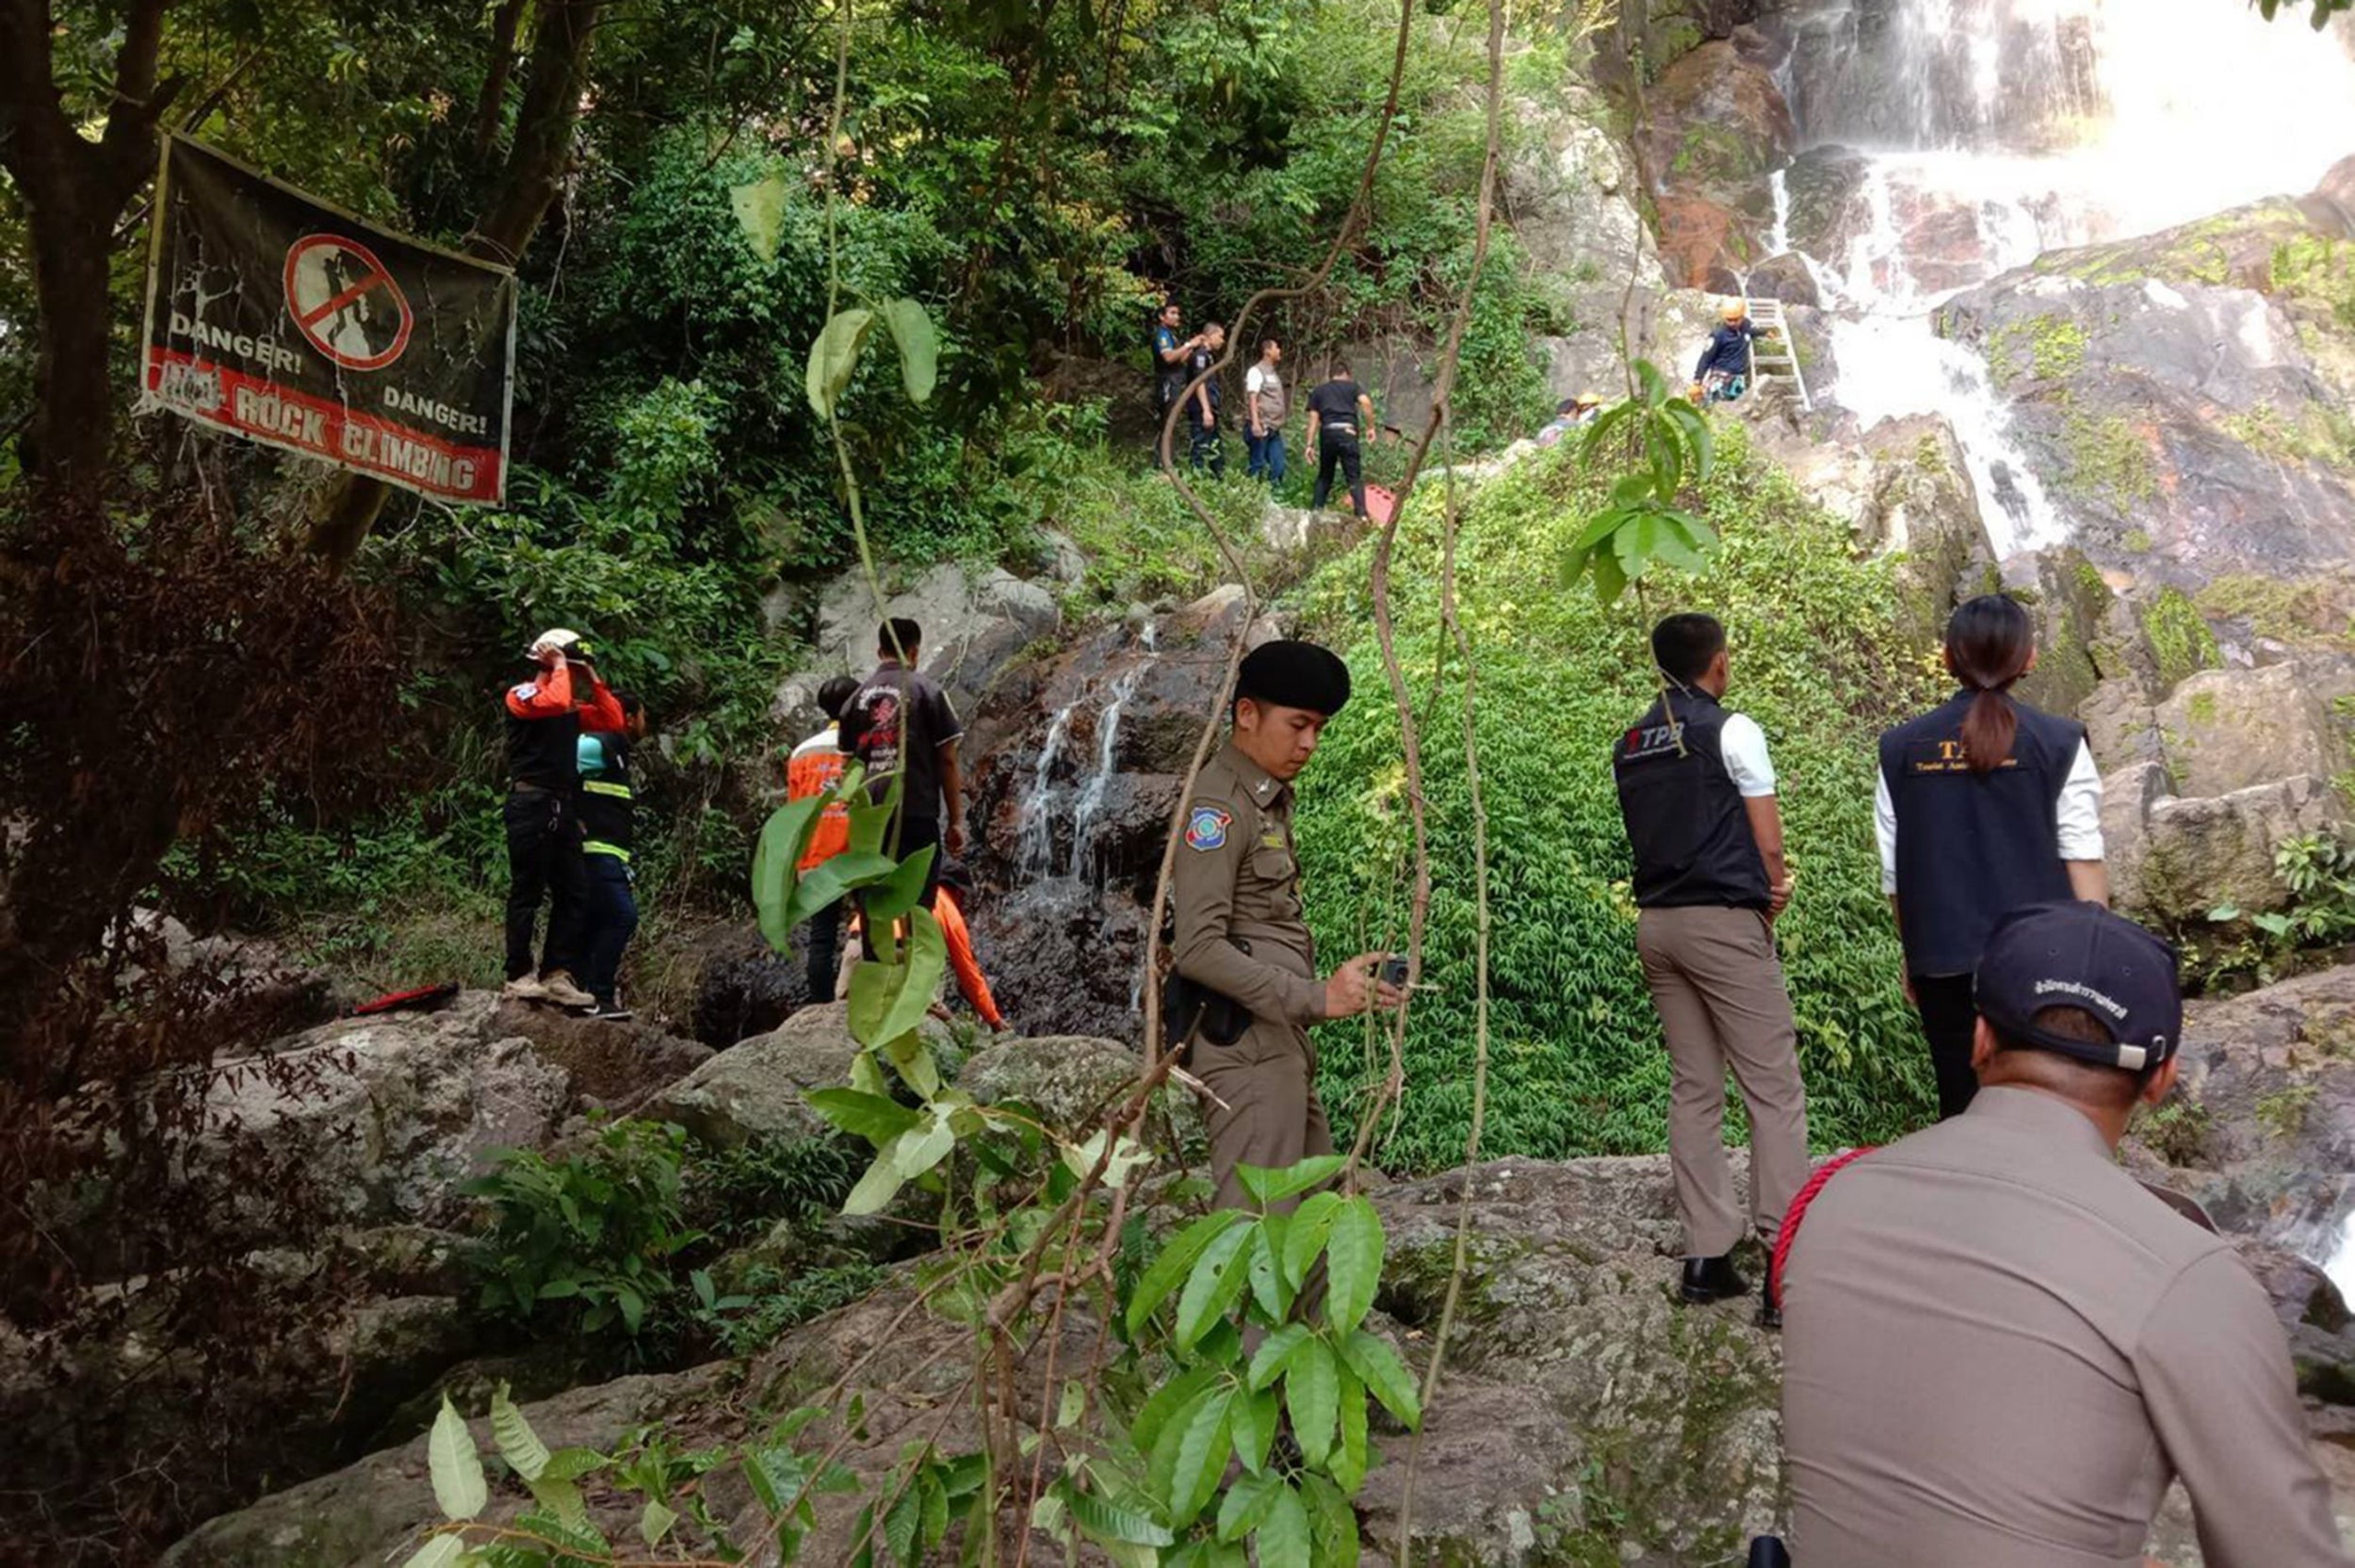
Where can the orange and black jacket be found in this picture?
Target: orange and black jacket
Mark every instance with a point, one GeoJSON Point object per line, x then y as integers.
{"type": "Point", "coordinates": [544, 725]}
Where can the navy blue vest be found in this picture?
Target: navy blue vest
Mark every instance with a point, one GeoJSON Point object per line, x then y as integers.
{"type": "Point", "coordinates": [1973, 846]}
{"type": "Point", "coordinates": [1684, 817]}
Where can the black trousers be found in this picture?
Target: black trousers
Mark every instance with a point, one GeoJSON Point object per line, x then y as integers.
{"type": "Point", "coordinates": [543, 864]}
{"type": "Point", "coordinates": [1339, 449]}
{"type": "Point", "coordinates": [1207, 446]}
{"type": "Point", "coordinates": [825, 951]}
{"type": "Point", "coordinates": [612, 921]}
{"type": "Point", "coordinates": [1950, 1020]}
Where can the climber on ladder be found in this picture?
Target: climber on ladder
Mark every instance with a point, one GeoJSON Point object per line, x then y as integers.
{"type": "Point", "coordinates": [1724, 371]}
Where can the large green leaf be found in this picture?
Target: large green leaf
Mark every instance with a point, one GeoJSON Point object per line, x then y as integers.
{"type": "Point", "coordinates": [1154, 1416]}
{"type": "Point", "coordinates": [1246, 1506]}
{"type": "Point", "coordinates": [924, 1146]}
{"type": "Point", "coordinates": [1176, 1261]}
{"type": "Point", "coordinates": [832, 879]}
{"type": "Point", "coordinates": [888, 1000]}
{"type": "Point", "coordinates": [654, 1522]}
{"type": "Point", "coordinates": [869, 1116]}
{"type": "Point", "coordinates": [1312, 1222]}
{"type": "Point", "coordinates": [1267, 1363]}
{"type": "Point", "coordinates": [455, 1465]}
{"type": "Point", "coordinates": [882, 1180]}
{"type": "Point", "coordinates": [1283, 1536]}
{"type": "Point", "coordinates": [904, 889]}
{"type": "Point", "coordinates": [759, 207]}
{"type": "Point", "coordinates": [1610, 581]}
{"type": "Point", "coordinates": [1201, 1459]}
{"type": "Point", "coordinates": [783, 838]}
{"type": "Point", "coordinates": [1332, 1522]}
{"type": "Point", "coordinates": [920, 347]}
{"type": "Point", "coordinates": [1252, 1418]}
{"type": "Point", "coordinates": [1352, 1254]}
{"type": "Point", "coordinates": [1311, 1396]}
{"type": "Point", "coordinates": [440, 1551]}
{"type": "Point", "coordinates": [1274, 1187]}
{"type": "Point", "coordinates": [1108, 1521]}
{"type": "Point", "coordinates": [1378, 1367]}
{"type": "Point", "coordinates": [1269, 1288]}
{"type": "Point", "coordinates": [833, 358]}
{"type": "Point", "coordinates": [518, 1443]}
{"type": "Point", "coordinates": [1348, 1462]}
{"type": "Point", "coordinates": [1211, 1289]}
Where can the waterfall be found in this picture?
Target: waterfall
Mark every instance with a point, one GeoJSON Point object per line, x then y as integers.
{"type": "Point", "coordinates": [1778, 237]}
{"type": "Point", "coordinates": [1107, 758]}
{"type": "Point", "coordinates": [1996, 130]}
{"type": "Point", "coordinates": [1034, 853]}
{"type": "Point", "coordinates": [2340, 1265]}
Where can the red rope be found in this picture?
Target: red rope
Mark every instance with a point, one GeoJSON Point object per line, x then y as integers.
{"type": "Point", "coordinates": [1797, 1211]}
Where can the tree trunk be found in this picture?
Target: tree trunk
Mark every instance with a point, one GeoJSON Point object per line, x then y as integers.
{"type": "Point", "coordinates": [535, 169]}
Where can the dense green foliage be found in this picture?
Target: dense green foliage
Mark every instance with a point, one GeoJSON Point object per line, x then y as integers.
{"type": "Point", "coordinates": [1576, 1066]}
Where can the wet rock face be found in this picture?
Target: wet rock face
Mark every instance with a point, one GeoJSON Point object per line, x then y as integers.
{"type": "Point", "coordinates": [1081, 758]}
{"type": "Point", "coordinates": [1719, 128]}
{"type": "Point", "coordinates": [2184, 395]}
{"type": "Point", "coordinates": [1881, 74]}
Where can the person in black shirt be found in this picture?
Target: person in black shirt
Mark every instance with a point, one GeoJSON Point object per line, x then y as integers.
{"type": "Point", "coordinates": [1207, 450]}
{"type": "Point", "coordinates": [1337, 411]}
{"type": "Point", "coordinates": [902, 728]}
{"type": "Point", "coordinates": [1170, 375]}
{"type": "Point", "coordinates": [1724, 371]}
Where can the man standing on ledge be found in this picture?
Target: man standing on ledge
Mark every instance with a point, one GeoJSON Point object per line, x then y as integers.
{"type": "Point", "coordinates": [2002, 1347]}
{"type": "Point", "coordinates": [1242, 945]}
{"type": "Point", "coordinates": [1697, 792]}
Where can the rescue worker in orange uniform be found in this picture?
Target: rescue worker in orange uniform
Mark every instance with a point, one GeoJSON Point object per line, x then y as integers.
{"type": "Point", "coordinates": [814, 768]}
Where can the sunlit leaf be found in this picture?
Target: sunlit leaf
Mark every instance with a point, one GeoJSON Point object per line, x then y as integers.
{"type": "Point", "coordinates": [456, 1465]}
{"type": "Point", "coordinates": [1352, 1254]}
{"type": "Point", "coordinates": [759, 206]}
{"type": "Point", "coordinates": [920, 347]}
{"type": "Point", "coordinates": [833, 358]}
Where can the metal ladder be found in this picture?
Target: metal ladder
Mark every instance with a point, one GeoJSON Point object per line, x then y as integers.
{"type": "Point", "coordinates": [1777, 359]}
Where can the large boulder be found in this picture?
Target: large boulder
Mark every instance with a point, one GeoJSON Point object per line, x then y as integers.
{"type": "Point", "coordinates": [384, 1118]}
{"type": "Point", "coordinates": [974, 621]}
{"type": "Point", "coordinates": [2184, 395]}
{"type": "Point", "coordinates": [2225, 730]}
{"type": "Point", "coordinates": [2203, 852]}
{"type": "Point", "coordinates": [757, 1089]}
{"type": "Point", "coordinates": [612, 1067]}
{"type": "Point", "coordinates": [361, 1515]}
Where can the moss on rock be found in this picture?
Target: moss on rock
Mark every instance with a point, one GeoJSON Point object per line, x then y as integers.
{"type": "Point", "coordinates": [2180, 637]}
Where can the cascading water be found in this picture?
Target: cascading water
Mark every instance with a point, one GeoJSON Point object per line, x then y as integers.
{"type": "Point", "coordinates": [1035, 851]}
{"type": "Point", "coordinates": [1091, 806]}
{"type": "Point", "coordinates": [1995, 130]}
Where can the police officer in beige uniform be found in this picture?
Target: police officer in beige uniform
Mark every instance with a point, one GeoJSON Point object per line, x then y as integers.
{"type": "Point", "coordinates": [2001, 1347]}
{"type": "Point", "coordinates": [1246, 986]}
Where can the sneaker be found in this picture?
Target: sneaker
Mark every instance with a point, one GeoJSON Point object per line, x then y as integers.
{"type": "Point", "coordinates": [557, 986]}
{"type": "Point", "coordinates": [610, 1013]}
{"type": "Point", "coordinates": [524, 988]}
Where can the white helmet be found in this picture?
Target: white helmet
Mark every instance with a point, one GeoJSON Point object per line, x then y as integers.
{"type": "Point", "coordinates": [555, 640]}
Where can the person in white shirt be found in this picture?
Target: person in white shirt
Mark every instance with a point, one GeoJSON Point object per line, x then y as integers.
{"type": "Point", "coordinates": [1263, 410]}
{"type": "Point", "coordinates": [1696, 790]}
{"type": "Point", "coordinates": [1985, 804]}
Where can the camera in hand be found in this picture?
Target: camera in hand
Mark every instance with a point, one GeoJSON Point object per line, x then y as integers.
{"type": "Point", "coordinates": [1394, 971]}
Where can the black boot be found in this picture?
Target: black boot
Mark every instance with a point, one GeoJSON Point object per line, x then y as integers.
{"type": "Point", "coordinates": [1712, 1279]}
{"type": "Point", "coordinates": [1769, 1303]}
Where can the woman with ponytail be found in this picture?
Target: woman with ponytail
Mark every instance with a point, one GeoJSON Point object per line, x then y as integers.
{"type": "Point", "coordinates": [1985, 804]}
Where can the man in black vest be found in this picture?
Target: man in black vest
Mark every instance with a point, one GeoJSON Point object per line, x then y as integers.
{"type": "Point", "coordinates": [1696, 790]}
{"type": "Point", "coordinates": [608, 825]}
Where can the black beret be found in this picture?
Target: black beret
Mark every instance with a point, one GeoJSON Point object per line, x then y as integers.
{"type": "Point", "coordinates": [1294, 676]}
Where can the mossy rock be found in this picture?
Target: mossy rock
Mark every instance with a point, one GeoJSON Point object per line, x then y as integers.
{"type": "Point", "coordinates": [2180, 637]}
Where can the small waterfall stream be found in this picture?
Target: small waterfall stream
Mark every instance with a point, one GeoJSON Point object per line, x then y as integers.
{"type": "Point", "coordinates": [1048, 799]}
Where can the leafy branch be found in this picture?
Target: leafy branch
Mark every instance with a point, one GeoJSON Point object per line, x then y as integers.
{"type": "Point", "coordinates": [1665, 444]}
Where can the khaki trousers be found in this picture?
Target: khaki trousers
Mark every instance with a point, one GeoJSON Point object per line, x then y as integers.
{"type": "Point", "coordinates": [1718, 986]}
{"type": "Point", "coordinates": [1271, 1115]}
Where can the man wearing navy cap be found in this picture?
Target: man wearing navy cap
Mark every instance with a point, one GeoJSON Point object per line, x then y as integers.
{"type": "Point", "coordinates": [2000, 1347]}
{"type": "Point", "coordinates": [1245, 987]}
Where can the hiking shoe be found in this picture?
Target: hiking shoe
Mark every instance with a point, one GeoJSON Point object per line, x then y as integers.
{"type": "Point", "coordinates": [524, 988]}
{"type": "Point", "coordinates": [557, 986]}
{"type": "Point", "coordinates": [1712, 1279]}
{"type": "Point", "coordinates": [610, 1013]}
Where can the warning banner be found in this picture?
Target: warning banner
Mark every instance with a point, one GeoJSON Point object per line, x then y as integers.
{"type": "Point", "coordinates": [274, 316]}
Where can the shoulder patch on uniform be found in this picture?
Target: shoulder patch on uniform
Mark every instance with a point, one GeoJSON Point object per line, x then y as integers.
{"type": "Point", "coordinates": [1206, 827]}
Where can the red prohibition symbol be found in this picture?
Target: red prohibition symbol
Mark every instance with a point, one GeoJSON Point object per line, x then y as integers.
{"type": "Point", "coordinates": [345, 302]}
